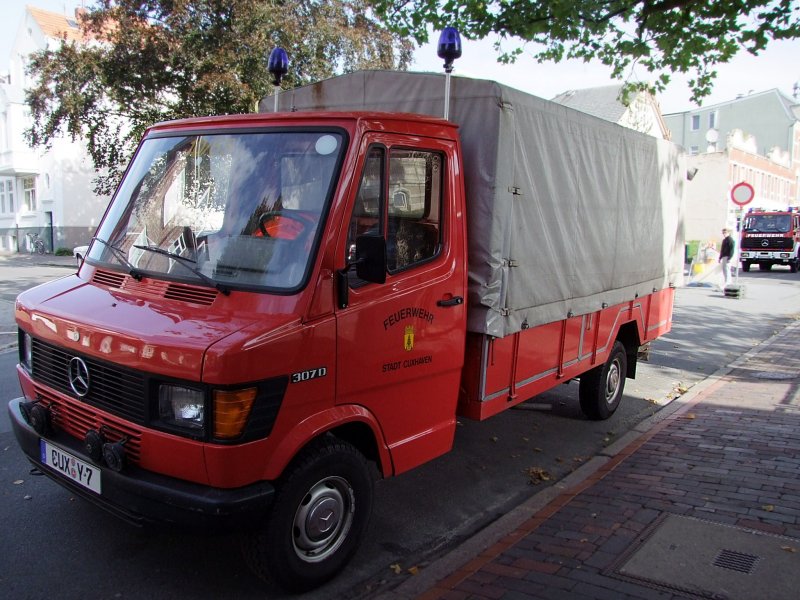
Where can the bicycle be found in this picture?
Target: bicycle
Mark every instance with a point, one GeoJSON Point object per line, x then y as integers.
{"type": "Point", "coordinates": [36, 243]}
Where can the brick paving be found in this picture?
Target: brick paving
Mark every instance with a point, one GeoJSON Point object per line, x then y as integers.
{"type": "Point", "coordinates": [730, 455]}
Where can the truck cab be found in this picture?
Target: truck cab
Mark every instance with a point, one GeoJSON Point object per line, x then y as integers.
{"type": "Point", "coordinates": [265, 294]}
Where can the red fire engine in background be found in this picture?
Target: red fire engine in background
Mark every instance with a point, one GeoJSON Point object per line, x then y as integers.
{"type": "Point", "coordinates": [771, 237]}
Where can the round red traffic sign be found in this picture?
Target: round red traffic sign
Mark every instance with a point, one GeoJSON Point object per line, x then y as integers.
{"type": "Point", "coordinates": [742, 193]}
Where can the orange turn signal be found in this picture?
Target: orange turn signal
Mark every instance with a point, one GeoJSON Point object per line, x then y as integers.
{"type": "Point", "coordinates": [231, 409]}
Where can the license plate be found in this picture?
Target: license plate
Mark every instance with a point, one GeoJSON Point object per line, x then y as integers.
{"type": "Point", "coordinates": [73, 468]}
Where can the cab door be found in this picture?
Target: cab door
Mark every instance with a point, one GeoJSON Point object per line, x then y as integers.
{"type": "Point", "coordinates": [401, 343]}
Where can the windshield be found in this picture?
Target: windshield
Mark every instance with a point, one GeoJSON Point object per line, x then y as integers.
{"type": "Point", "coordinates": [768, 223]}
{"type": "Point", "coordinates": [230, 210]}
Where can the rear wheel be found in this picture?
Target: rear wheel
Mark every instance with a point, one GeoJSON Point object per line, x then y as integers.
{"type": "Point", "coordinates": [765, 266]}
{"type": "Point", "coordinates": [601, 388]}
{"type": "Point", "coordinates": [321, 510]}
{"type": "Point", "coordinates": [793, 265]}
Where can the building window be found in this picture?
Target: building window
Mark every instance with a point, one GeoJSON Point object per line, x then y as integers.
{"type": "Point", "coordinates": [694, 150]}
{"type": "Point", "coordinates": [29, 194]}
{"type": "Point", "coordinates": [695, 122]}
{"type": "Point", "coordinates": [6, 196]}
{"type": "Point", "coordinates": [712, 120]}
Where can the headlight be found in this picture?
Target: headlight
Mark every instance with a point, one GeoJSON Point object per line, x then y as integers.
{"type": "Point", "coordinates": [181, 407]}
{"type": "Point", "coordinates": [26, 351]}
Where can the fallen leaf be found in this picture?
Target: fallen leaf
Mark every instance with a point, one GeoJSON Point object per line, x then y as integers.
{"type": "Point", "coordinates": [19, 482]}
{"type": "Point", "coordinates": [690, 416]}
{"type": "Point", "coordinates": [768, 507]}
{"type": "Point", "coordinates": [537, 475]}
{"type": "Point", "coordinates": [414, 570]}
{"type": "Point", "coordinates": [396, 568]}
{"type": "Point", "coordinates": [494, 438]}
{"type": "Point", "coordinates": [789, 549]}
{"type": "Point", "coordinates": [537, 449]}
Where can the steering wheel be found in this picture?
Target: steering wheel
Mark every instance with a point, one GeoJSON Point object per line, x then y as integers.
{"type": "Point", "coordinates": [281, 225]}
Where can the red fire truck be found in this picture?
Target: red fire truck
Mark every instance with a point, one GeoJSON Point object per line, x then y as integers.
{"type": "Point", "coordinates": [771, 237]}
{"type": "Point", "coordinates": [277, 307]}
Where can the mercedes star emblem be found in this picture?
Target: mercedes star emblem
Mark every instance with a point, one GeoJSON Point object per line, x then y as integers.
{"type": "Point", "coordinates": [78, 376]}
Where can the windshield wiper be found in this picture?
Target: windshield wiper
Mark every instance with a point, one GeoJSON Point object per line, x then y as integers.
{"type": "Point", "coordinates": [120, 254]}
{"type": "Point", "coordinates": [189, 264]}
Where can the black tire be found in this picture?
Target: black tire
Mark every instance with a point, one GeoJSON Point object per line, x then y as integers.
{"type": "Point", "coordinates": [745, 266]}
{"type": "Point", "coordinates": [600, 389]}
{"type": "Point", "coordinates": [765, 266]}
{"type": "Point", "coordinates": [793, 266]}
{"type": "Point", "coordinates": [322, 508]}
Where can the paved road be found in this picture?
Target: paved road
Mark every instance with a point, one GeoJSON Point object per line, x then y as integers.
{"type": "Point", "coordinates": [52, 542]}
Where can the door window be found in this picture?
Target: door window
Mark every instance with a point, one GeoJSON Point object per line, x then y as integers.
{"type": "Point", "coordinates": [414, 213]}
{"type": "Point", "coordinates": [411, 219]}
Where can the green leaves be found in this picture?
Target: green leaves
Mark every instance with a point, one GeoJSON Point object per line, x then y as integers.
{"type": "Point", "coordinates": [663, 36]}
{"type": "Point", "coordinates": [154, 60]}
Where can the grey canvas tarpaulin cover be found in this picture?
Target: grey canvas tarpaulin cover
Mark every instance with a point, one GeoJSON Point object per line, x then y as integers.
{"type": "Point", "coordinates": [565, 212]}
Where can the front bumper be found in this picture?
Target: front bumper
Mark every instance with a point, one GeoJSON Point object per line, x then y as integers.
{"type": "Point", "coordinates": [141, 497]}
{"type": "Point", "coordinates": [776, 257]}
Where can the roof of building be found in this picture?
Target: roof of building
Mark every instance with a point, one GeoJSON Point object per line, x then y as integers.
{"type": "Point", "coordinates": [603, 102]}
{"type": "Point", "coordinates": [790, 105]}
{"type": "Point", "coordinates": [55, 25]}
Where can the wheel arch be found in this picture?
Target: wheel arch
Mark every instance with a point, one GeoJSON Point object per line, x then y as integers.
{"type": "Point", "coordinates": [629, 336]}
{"type": "Point", "coordinates": [353, 424]}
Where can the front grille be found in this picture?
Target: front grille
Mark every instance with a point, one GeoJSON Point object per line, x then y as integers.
{"type": "Point", "coordinates": [128, 396]}
{"type": "Point", "coordinates": [119, 391]}
{"type": "Point", "coordinates": [757, 243]}
{"type": "Point", "coordinates": [75, 418]}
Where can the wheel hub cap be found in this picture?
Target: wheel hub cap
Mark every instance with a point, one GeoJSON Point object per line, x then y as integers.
{"type": "Point", "coordinates": [323, 519]}
{"type": "Point", "coordinates": [612, 382]}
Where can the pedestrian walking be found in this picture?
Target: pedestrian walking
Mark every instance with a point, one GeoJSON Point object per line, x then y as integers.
{"type": "Point", "coordinates": [725, 256]}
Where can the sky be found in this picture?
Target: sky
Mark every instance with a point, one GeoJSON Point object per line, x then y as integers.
{"type": "Point", "coordinates": [777, 67]}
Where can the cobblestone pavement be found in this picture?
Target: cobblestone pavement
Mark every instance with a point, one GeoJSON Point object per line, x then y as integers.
{"type": "Point", "coordinates": [726, 460]}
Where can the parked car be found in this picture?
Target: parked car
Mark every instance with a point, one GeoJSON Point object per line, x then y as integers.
{"type": "Point", "coordinates": [79, 252]}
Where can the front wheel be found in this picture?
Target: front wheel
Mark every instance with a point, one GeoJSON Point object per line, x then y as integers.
{"type": "Point", "coordinates": [745, 266]}
{"type": "Point", "coordinates": [601, 388]}
{"type": "Point", "coordinates": [322, 508]}
{"type": "Point", "coordinates": [793, 265]}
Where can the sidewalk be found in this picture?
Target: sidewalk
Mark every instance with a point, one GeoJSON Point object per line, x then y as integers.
{"type": "Point", "coordinates": [27, 259]}
{"type": "Point", "coordinates": [8, 328]}
{"type": "Point", "coordinates": [703, 501]}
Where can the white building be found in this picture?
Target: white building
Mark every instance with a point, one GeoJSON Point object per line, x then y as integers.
{"type": "Point", "coordinates": [47, 192]}
{"type": "Point", "coordinates": [641, 111]}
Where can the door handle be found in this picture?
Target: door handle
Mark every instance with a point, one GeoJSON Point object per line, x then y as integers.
{"type": "Point", "coordinates": [454, 301]}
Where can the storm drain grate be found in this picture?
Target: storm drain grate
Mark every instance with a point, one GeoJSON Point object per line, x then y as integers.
{"type": "Point", "coordinates": [736, 561]}
{"type": "Point", "coordinates": [774, 375]}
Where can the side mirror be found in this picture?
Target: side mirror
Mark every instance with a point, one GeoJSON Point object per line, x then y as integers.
{"type": "Point", "coordinates": [371, 258]}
